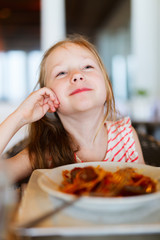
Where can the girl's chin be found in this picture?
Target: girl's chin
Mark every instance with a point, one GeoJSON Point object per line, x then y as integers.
{"type": "Point", "coordinates": [77, 109]}
{"type": "Point", "coordinates": [79, 106]}
{"type": "Point", "coordinates": [83, 106]}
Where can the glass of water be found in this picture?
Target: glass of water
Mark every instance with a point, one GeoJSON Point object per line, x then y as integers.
{"type": "Point", "coordinates": [7, 200]}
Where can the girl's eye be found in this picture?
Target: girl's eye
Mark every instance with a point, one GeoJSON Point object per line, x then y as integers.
{"type": "Point", "coordinates": [88, 67]}
{"type": "Point", "coordinates": [60, 74]}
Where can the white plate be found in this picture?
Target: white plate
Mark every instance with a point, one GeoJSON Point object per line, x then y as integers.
{"type": "Point", "coordinates": [50, 181]}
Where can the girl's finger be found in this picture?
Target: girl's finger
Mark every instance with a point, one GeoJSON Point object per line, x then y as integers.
{"type": "Point", "coordinates": [52, 109]}
{"type": "Point", "coordinates": [45, 100]}
{"type": "Point", "coordinates": [52, 104]}
{"type": "Point", "coordinates": [49, 93]}
{"type": "Point", "coordinates": [45, 108]}
{"type": "Point", "coordinates": [56, 105]}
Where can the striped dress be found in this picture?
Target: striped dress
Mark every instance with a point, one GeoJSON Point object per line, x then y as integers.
{"type": "Point", "coordinates": [121, 144]}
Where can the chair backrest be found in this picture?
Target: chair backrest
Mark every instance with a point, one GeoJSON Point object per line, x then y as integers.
{"type": "Point", "coordinates": [151, 149]}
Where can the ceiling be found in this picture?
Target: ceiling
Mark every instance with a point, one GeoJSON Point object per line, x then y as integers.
{"type": "Point", "coordinates": [20, 20]}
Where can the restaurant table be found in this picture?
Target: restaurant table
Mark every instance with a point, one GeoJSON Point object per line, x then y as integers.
{"type": "Point", "coordinates": [65, 226]}
{"type": "Point", "coordinates": [116, 237]}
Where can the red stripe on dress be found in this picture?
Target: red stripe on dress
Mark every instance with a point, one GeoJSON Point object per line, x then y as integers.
{"type": "Point", "coordinates": [130, 145]}
{"type": "Point", "coordinates": [120, 121]}
{"type": "Point", "coordinates": [117, 128]}
{"type": "Point", "coordinates": [75, 157]}
{"type": "Point", "coordinates": [109, 140]}
{"type": "Point", "coordinates": [118, 133]}
{"type": "Point", "coordinates": [108, 134]}
{"type": "Point", "coordinates": [134, 159]}
{"type": "Point", "coordinates": [105, 160]}
{"type": "Point", "coordinates": [120, 127]}
{"type": "Point", "coordinates": [128, 121]}
{"type": "Point", "coordinates": [122, 157]}
{"type": "Point", "coordinates": [130, 155]}
{"type": "Point", "coordinates": [117, 122]}
{"type": "Point", "coordinates": [124, 153]}
{"type": "Point", "coordinates": [120, 149]}
{"type": "Point", "coordinates": [119, 141]}
{"type": "Point", "coordinates": [109, 130]}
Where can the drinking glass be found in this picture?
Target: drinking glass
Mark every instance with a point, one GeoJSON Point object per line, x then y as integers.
{"type": "Point", "coordinates": [7, 200]}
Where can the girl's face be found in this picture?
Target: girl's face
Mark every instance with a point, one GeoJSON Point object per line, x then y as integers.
{"type": "Point", "coordinates": [73, 73]}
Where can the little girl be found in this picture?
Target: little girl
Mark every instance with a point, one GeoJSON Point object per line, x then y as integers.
{"type": "Point", "coordinates": [72, 116]}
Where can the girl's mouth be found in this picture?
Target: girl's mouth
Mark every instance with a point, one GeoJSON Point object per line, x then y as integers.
{"type": "Point", "coordinates": [79, 90]}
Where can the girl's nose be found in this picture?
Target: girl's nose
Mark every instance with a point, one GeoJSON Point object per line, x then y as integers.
{"type": "Point", "coordinates": [77, 77]}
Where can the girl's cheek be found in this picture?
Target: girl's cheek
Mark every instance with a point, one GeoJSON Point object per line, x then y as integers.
{"type": "Point", "coordinates": [53, 88]}
{"type": "Point", "coordinates": [58, 95]}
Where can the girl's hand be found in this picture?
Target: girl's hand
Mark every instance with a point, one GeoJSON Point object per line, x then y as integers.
{"type": "Point", "coordinates": [37, 104]}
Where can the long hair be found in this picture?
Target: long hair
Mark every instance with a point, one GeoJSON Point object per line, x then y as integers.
{"type": "Point", "coordinates": [47, 137]}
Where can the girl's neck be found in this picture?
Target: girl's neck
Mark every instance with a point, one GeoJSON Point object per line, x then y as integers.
{"type": "Point", "coordinates": [84, 126]}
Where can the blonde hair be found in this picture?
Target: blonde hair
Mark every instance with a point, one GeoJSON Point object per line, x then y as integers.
{"type": "Point", "coordinates": [62, 152]}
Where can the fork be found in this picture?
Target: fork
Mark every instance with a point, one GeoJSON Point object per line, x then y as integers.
{"type": "Point", "coordinates": [53, 212]}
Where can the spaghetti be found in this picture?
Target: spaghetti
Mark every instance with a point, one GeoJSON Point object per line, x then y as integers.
{"type": "Point", "coordinates": [95, 181]}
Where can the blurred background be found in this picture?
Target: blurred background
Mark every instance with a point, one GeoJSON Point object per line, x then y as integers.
{"type": "Point", "coordinates": [126, 34]}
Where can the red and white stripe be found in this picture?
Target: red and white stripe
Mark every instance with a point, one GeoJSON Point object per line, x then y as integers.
{"type": "Point", "coordinates": [121, 144]}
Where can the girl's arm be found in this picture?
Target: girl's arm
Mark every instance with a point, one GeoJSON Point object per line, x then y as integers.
{"type": "Point", "coordinates": [19, 166]}
{"type": "Point", "coordinates": [8, 128]}
{"type": "Point", "coordinates": [138, 147]}
{"type": "Point", "coordinates": [31, 110]}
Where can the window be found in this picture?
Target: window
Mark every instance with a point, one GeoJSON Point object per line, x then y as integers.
{"type": "Point", "coordinates": [119, 77]}
{"type": "Point", "coordinates": [18, 74]}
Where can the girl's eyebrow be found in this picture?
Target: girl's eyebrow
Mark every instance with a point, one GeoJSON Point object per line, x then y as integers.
{"type": "Point", "coordinates": [92, 58]}
{"type": "Point", "coordinates": [56, 65]}
{"type": "Point", "coordinates": [61, 63]}
{"type": "Point", "coordinates": [55, 68]}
